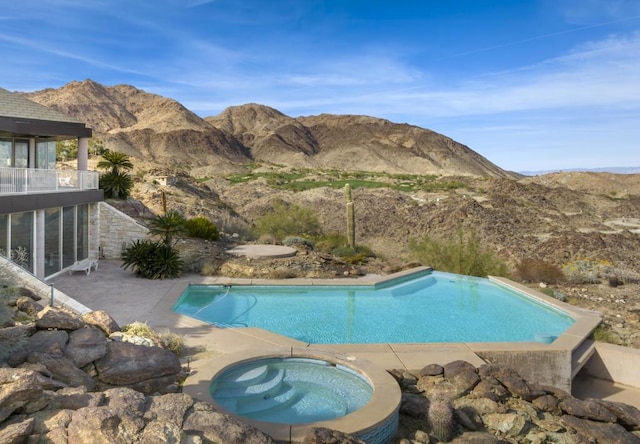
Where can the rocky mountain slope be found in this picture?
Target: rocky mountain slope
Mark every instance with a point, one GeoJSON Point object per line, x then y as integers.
{"type": "Point", "coordinates": [157, 129]}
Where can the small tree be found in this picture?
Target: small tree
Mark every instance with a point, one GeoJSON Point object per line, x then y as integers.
{"type": "Point", "coordinates": [115, 162]}
{"type": "Point", "coordinates": [116, 183]}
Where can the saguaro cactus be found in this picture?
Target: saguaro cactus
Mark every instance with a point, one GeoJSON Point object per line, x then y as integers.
{"type": "Point", "coordinates": [351, 218]}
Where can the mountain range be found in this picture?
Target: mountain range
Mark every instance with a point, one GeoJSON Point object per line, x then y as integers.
{"type": "Point", "coordinates": [161, 130]}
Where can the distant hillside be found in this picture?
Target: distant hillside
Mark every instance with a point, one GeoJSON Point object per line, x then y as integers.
{"type": "Point", "coordinates": [161, 131]}
{"type": "Point", "coordinates": [613, 170]}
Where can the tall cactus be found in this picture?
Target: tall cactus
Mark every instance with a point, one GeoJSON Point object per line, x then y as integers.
{"type": "Point", "coordinates": [351, 218]}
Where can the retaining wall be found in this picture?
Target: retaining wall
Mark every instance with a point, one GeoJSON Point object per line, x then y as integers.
{"type": "Point", "coordinates": [117, 230]}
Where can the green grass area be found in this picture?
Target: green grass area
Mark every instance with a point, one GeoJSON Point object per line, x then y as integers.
{"type": "Point", "coordinates": [306, 179]}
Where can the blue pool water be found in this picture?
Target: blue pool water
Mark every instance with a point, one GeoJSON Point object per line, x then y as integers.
{"type": "Point", "coordinates": [290, 390]}
{"type": "Point", "coordinates": [432, 307]}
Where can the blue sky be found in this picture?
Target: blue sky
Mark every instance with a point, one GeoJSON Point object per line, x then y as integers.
{"type": "Point", "coordinates": [531, 85]}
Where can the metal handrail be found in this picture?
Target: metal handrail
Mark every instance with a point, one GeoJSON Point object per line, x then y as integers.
{"type": "Point", "coordinates": [34, 180]}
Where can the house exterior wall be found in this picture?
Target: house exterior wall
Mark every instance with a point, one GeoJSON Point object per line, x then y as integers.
{"type": "Point", "coordinates": [117, 230]}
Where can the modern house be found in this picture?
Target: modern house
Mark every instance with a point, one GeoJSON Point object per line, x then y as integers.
{"type": "Point", "coordinates": [48, 215]}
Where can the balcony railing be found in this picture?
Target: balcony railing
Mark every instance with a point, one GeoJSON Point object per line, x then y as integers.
{"type": "Point", "coordinates": [32, 180]}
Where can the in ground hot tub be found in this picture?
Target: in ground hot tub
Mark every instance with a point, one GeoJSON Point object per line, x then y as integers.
{"type": "Point", "coordinates": [285, 395]}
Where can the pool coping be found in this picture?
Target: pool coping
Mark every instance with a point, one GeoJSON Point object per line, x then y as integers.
{"type": "Point", "coordinates": [560, 359]}
{"type": "Point", "coordinates": [381, 410]}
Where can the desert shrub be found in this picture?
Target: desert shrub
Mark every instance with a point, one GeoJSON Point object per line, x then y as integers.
{"type": "Point", "coordinates": [152, 260]}
{"type": "Point", "coordinates": [462, 255]}
{"type": "Point", "coordinates": [355, 255]}
{"type": "Point", "coordinates": [294, 240]}
{"type": "Point", "coordinates": [586, 271]}
{"type": "Point", "coordinates": [337, 245]}
{"type": "Point", "coordinates": [287, 220]}
{"type": "Point", "coordinates": [330, 242]}
{"type": "Point", "coordinates": [603, 334]}
{"type": "Point", "coordinates": [536, 270]}
{"type": "Point", "coordinates": [169, 340]}
{"type": "Point", "coordinates": [202, 228]}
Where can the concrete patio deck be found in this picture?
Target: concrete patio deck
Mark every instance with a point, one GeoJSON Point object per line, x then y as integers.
{"type": "Point", "coordinates": [128, 299]}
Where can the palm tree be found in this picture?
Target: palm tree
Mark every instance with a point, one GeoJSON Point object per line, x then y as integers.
{"type": "Point", "coordinates": [168, 226]}
{"type": "Point", "coordinates": [116, 185]}
{"type": "Point", "coordinates": [115, 162]}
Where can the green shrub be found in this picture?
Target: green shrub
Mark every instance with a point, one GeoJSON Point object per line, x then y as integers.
{"type": "Point", "coordinates": [462, 255]}
{"type": "Point", "coordinates": [152, 260]}
{"type": "Point", "coordinates": [536, 270]}
{"type": "Point", "coordinates": [328, 243]}
{"type": "Point", "coordinates": [202, 228]}
{"type": "Point", "coordinates": [287, 220]}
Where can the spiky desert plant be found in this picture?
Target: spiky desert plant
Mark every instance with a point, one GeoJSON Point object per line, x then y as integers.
{"type": "Point", "coordinates": [351, 218]}
{"type": "Point", "coordinates": [169, 226]}
{"type": "Point", "coordinates": [440, 417]}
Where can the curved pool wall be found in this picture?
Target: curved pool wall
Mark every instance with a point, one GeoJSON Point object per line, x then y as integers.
{"type": "Point", "coordinates": [376, 422]}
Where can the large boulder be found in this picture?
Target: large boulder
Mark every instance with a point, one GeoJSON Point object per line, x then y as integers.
{"type": "Point", "coordinates": [128, 364]}
{"type": "Point", "coordinates": [600, 432]}
{"type": "Point", "coordinates": [63, 370]}
{"type": "Point", "coordinates": [18, 387]}
{"type": "Point", "coordinates": [17, 432]}
{"type": "Point", "coordinates": [86, 345]}
{"type": "Point", "coordinates": [51, 342]}
{"type": "Point", "coordinates": [98, 425]}
{"type": "Point", "coordinates": [58, 319]}
{"type": "Point", "coordinates": [102, 320]}
{"type": "Point", "coordinates": [218, 427]}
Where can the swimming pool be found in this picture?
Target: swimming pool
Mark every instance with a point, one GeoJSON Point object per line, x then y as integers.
{"type": "Point", "coordinates": [421, 308]}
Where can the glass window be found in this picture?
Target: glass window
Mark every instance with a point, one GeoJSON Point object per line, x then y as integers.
{"type": "Point", "coordinates": [21, 154]}
{"type": "Point", "coordinates": [83, 232]}
{"type": "Point", "coordinates": [46, 154]}
{"type": "Point", "coordinates": [68, 236]}
{"type": "Point", "coordinates": [52, 251]}
{"type": "Point", "coordinates": [5, 152]}
{"type": "Point", "coordinates": [22, 239]}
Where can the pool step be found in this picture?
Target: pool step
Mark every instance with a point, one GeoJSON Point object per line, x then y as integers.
{"type": "Point", "coordinates": [245, 377]}
{"type": "Point", "coordinates": [267, 386]}
{"type": "Point", "coordinates": [285, 396]}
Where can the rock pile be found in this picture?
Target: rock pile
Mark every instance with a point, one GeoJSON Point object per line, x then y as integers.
{"type": "Point", "coordinates": [493, 404]}
{"type": "Point", "coordinates": [70, 379]}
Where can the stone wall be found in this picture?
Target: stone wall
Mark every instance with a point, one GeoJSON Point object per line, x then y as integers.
{"type": "Point", "coordinates": [117, 230]}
